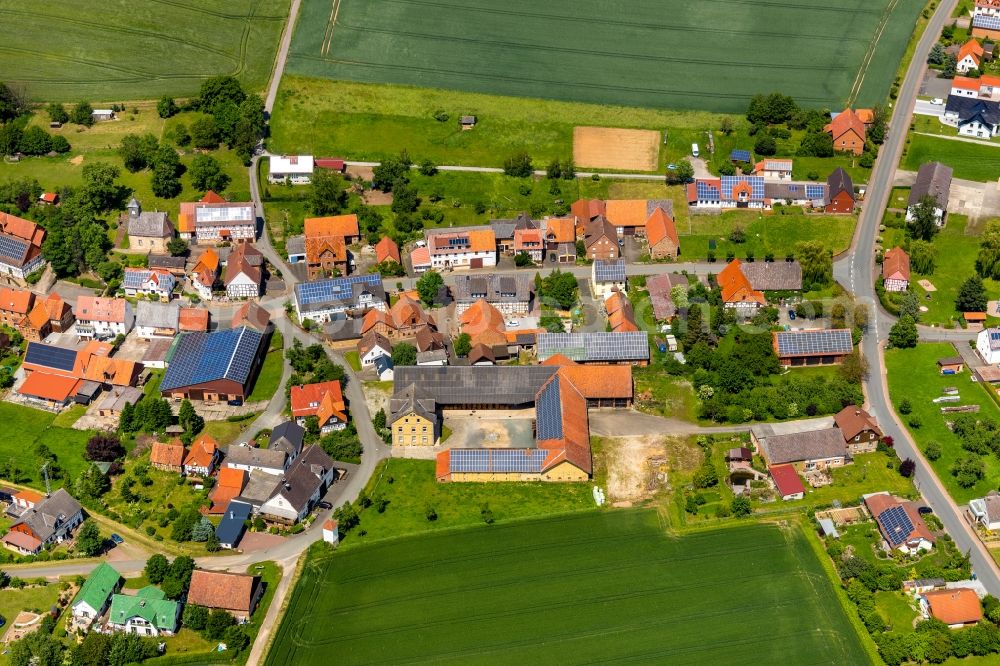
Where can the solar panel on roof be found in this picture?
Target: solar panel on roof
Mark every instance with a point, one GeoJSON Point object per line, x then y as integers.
{"type": "Point", "coordinates": [815, 191]}
{"type": "Point", "coordinates": [548, 411]}
{"type": "Point", "coordinates": [740, 155]}
{"type": "Point", "coordinates": [990, 22]}
{"type": "Point", "coordinates": [630, 346]}
{"type": "Point", "coordinates": [50, 356]}
{"type": "Point", "coordinates": [756, 185]}
{"type": "Point", "coordinates": [897, 524]}
{"type": "Point", "coordinates": [605, 271]}
{"type": "Point", "coordinates": [12, 248]}
{"type": "Point", "coordinates": [207, 357]}
{"type": "Point", "coordinates": [496, 460]}
{"type": "Point", "coordinates": [797, 343]}
{"type": "Point", "coordinates": [706, 191]}
{"type": "Point", "coordinates": [334, 289]}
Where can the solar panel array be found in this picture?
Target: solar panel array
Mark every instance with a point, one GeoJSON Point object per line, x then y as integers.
{"type": "Point", "coordinates": [740, 155]}
{"type": "Point", "coordinates": [631, 346]}
{"type": "Point", "coordinates": [815, 191]}
{"type": "Point", "coordinates": [800, 343]}
{"type": "Point", "coordinates": [756, 185]}
{"type": "Point", "coordinates": [218, 214]}
{"type": "Point", "coordinates": [470, 385]}
{"type": "Point", "coordinates": [13, 248]}
{"type": "Point", "coordinates": [897, 524]}
{"type": "Point", "coordinates": [986, 21]}
{"type": "Point", "coordinates": [606, 271]}
{"type": "Point", "coordinates": [778, 165]}
{"type": "Point", "coordinates": [548, 411]}
{"type": "Point", "coordinates": [134, 279]}
{"type": "Point", "coordinates": [706, 191]}
{"type": "Point", "coordinates": [497, 460]}
{"type": "Point", "coordinates": [334, 289]}
{"type": "Point", "coordinates": [208, 357]}
{"type": "Point", "coordinates": [50, 356]}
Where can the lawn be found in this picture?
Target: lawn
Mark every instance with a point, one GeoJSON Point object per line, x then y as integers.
{"type": "Point", "coordinates": [25, 429]}
{"type": "Point", "coordinates": [669, 55]}
{"type": "Point", "coordinates": [226, 432]}
{"type": "Point", "coordinates": [38, 598]}
{"type": "Point", "coordinates": [957, 245]}
{"type": "Point", "coordinates": [913, 374]}
{"type": "Point", "coordinates": [775, 233]}
{"type": "Point", "coordinates": [662, 394]}
{"type": "Point", "coordinates": [869, 472]}
{"type": "Point", "coordinates": [594, 587]}
{"type": "Point", "coordinates": [269, 378]}
{"type": "Point", "coordinates": [353, 360]}
{"type": "Point", "coordinates": [970, 161]}
{"type": "Point", "coordinates": [410, 487]}
{"type": "Point", "coordinates": [137, 49]}
{"type": "Point", "coordinates": [897, 610]}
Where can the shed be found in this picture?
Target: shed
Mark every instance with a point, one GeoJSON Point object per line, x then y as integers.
{"type": "Point", "coordinates": [951, 365]}
{"type": "Point", "coordinates": [828, 528]}
{"type": "Point", "coordinates": [467, 122]}
{"type": "Point", "coordinates": [787, 481]}
{"type": "Point", "coordinates": [974, 320]}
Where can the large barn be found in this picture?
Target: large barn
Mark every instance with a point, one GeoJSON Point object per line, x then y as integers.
{"type": "Point", "coordinates": [218, 366]}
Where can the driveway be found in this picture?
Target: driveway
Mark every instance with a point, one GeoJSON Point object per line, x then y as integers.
{"type": "Point", "coordinates": [700, 168]}
{"type": "Point", "coordinates": [934, 86]}
{"type": "Point", "coordinates": [974, 199]}
{"type": "Point", "coordinates": [925, 108]}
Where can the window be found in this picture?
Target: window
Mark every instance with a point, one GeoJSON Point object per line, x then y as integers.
{"type": "Point", "coordinates": [857, 438]}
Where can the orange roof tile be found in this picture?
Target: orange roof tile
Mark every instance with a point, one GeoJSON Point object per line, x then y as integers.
{"type": "Point", "coordinates": [560, 230]}
{"type": "Point", "coordinates": [442, 463]}
{"type": "Point", "coordinates": [867, 116]}
{"type": "Point", "coordinates": [38, 317]}
{"type": "Point", "coordinates": [482, 240]}
{"type": "Point", "coordinates": [896, 265]}
{"type": "Point", "coordinates": [202, 452]}
{"type": "Point", "coordinates": [421, 256]}
{"type": "Point", "coordinates": [846, 121]}
{"type": "Point", "coordinates": [588, 209]}
{"type": "Point", "coordinates": [230, 477]}
{"type": "Point", "coordinates": [116, 371]}
{"type": "Point", "coordinates": [598, 381]}
{"type": "Point", "coordinates": [574, 445]}
{"type": "Point", "coordinates": [318, 246]}
{"type": "Point", "coordinates": [193, 319]}
{"type": "Point", "coordinates": [211, 198]}
{"type": "Point", "coordinates": [221, 589]}
{"type": "Point", "coordinates": [659, 226]}
{"type": "Point", "coordinates": [95, 308]}
{"type": "Point", "coordinates": [170, 454]}
{"type": "Point", "coordinates": [965, 83]}
{"type": "Point", "coordinates": [373, 318]}
{"type": "Point", "coordinates": [626, 212]}
{"type": "Point", "coordinates": [386, 250]}
{"type": "Point", "coordinates": [955, 606]}
{"type": "Point", "coordinates": [342, 226]}
{"type": "Point", "coordinates": [527, 239]}
{"type": "Point", "coordinates": [209, 260]}
{"type": "Point", "coordinates": [971, 48]}
{"type": "Point", "coordinates": [29, 496]}
{"type": "Point", "coordinates": [736, 287]}
{"type": "Point", "coordinates": [323, 400]}
{"type": "Point", "coordinates": [18, 301]}
{"type": "Point", "coordinates": [56, 388]}
{"type": "Point", "coordinates": [331, 406]}
{"type": "Point", "coordinates": [558, 359]}
{"type": "Point", "coordinates": [407, 312]}
{"type": "Point", "coordinates": [55, 306]}
{"type": "Point", "coordinates": [974, 316]}
{"type": "Point", "coordinates": [483, 323]}
{"type": "Point", "coordinates": [22, 228]}
{"type": "Point", "coordinates": [185, 218]}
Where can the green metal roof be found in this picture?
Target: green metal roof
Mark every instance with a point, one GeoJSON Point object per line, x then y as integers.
{"type": "Point", "coordinates": [100, 585]}
{"type": "Point", "coordinates": [149, 604]}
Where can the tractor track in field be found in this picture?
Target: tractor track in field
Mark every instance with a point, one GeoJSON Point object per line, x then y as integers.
{"type": "Point", "coordinates": [870, 53]}
{"type": "Point", "coordinates": [576, 51]}
{"type": "Point", "coordinates": [209, 12]}
{"type": "Point", "coordinates": [545, 82]}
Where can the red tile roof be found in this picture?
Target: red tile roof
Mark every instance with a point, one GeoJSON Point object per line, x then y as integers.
{"type": "Point", "coordinates": [219, 589]}
{"type": "Point", "coordinates": [786, 480]}
{"type": "Point", "coordinates": [385, 250]}
{"type": "Point", "coordinates": [846, 121]}
{"type": "Point", "coordinates": [660, 226]}
{"type": "Point", "coordinates": [202, 452]}
{"type": "Point", "coordinates": [896, 265]}
{"type": "Point", "coordinates": [341, 226]}
{"type": "Point", "coordinates": [483, 323]}
{"type": "Point", "coordinates": [95, 308]}
{"type": "Point", "coordinates": [18, 301]}
{"type": "Point", "coordinates": [852, 421]}
{"type": "Point", "coordinates": [736, 287]}
{"type": "Point", "coordinates": [956, 606]}
{"type": "Point", "coordinates": [49, 387]}
{"type": "Point", "coordinates": [193, 319]}
{"type": "Point", "coordinates": [420, 256]}
{"type": "Point", "coordinates": [169, 454]}
{"type": "Point", "coordinates": [323, 400]}
{"type": "Point", "coordinates": [971, 48]}
{"type": "Point", "coordinates": [21, 228]}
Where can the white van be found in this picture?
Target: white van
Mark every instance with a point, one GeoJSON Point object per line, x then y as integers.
{"type": "Point", "coordinates": [694, 149]}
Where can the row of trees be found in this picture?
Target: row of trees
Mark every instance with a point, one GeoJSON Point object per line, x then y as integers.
{"type": "Point", "coordinates": [31, 140]}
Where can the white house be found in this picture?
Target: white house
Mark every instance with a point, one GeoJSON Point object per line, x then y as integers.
{"type": "Point", "coordinates": [933, 180]}
{"type": "Point", "coordinates": [774, 169]}
{"type": "Point", "coordinates": [468, 248]}
{"type": "Point", "coordinates": [371, 346]}
{"type": "Point", "coordinates": [988, 345]}
{"type": "Point", "coordinates": [986, 511]}
{"type": "Point", "coordinates": [248, 459]}
{"type": "Point", "coordinates": [95, 594]}
{"type": "Point", "coordinates": [606, 277]}
{"type": "Point", "coordinates": [157, 320]}
{"type": "Point", "coordinates": [302, 487]}
{"type": "Point", "coordinates": [384, 368]}
{"type": "Point", "coordinates": [145, 282]}
{"type": "Point", "coordinates": [243, 284]}
{"type": "Point", "coordinates": [294, 169]}
{"type": "Point", "coordinates": [98, 115]}
{"type": "Point", "coordinates": [98, 317]}
{"type": "Point", "coordinates": [325, 300]}
{"type": "Point", "coordinates": [147, 613]}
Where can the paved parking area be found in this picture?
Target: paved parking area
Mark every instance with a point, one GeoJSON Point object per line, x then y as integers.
{"type": "Point", "coordinates": [975, 200]}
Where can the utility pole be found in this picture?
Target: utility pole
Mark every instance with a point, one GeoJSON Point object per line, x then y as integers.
{"type": "Point", "coordinates": [45, 473]}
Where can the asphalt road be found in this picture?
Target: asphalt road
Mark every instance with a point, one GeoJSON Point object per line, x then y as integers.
{"type": "Point", "coordinates": [860, 279]}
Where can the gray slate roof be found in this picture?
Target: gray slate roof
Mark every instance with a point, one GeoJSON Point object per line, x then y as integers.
{"type": "Point", "coordinates": [411, 398]}
{"type": "Point", "coordinates": [970, 108]}
{"type": "Point", "coordinates": [151, 225]}
{"type": "Point", "coordinates": [304, 477]}
{"type": "Point", "coordinates": [504, 229]}
{"type": "Point", "coordinates": [773, 275]}
{"type": "Point", "coordinates": [837, 182]}
{"type": "Point", "coordinates": [811, 445]}
{"type": "Point", "coordinates": [167, 262]}
{"type": "Point", "coordinates": [495, 288]}
{"type": "Point", "coordinates": [295, 245]}
{"type": "Point", "coordinates": [259, 488]}
{"type": "Point", "coordinates": [933, 179]}
{"type": "Point", "coordinates": [246, 455]}
{"type": "Point", "coordinates": [288, 437]}
{"type": "Point", "coordinates": [49, 514]}
{"type": "Point", "coordinates": [158, 315]}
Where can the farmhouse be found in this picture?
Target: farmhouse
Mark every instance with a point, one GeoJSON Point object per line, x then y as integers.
{"type": "Point", "coordinates": [986, 510]}
{"type": "Point", "coordinates": [326, 241]}
{"type": "Point", "coordinates": [324, 400]}
{"type": "Point", "coordinates": [985, 26]}
{"type": "Point", "coordinates": [405, 319]}
{"type": "Point", "coordinates": [372, 345]}
{"type": "Point", "coordinates": [607, 276]}
{"type": "Point", "coordinates": [157, 320]}
{"type": "Point", "coordinates": [303, 485]}
{"type": "Point", "coordinates": [986, 8]}
{"type": "Point", "coordinates": [15, 304]}
{"type": "Point", "coordinates": [163, 262]}
{"type": "Point", "coordinates": [978, 118]}
{"type": "Point", "coordinates": [467, 248]}
{"type": "Point", "coordinates": [167, 456]}
{"type": "Point", "coordinates": [560, 239]}
{"type": "Point", "coordinates": [271, 462]}
{"type": "Point", "coordinates": [146, 613]}
{"type": "Point", "coordinates": [206, 274]}
{"type": "Point", "coordinates": [95, 594]}
{"type": "Point", "coordinates": [531, 243]}
{"type": "Point", "coordinates": [54, 376]}
{"type": "Point", "coordinates": [484, 324]}
{"type": "Point", "coordinates": [848, 132]}
{"type": "Point", "coordinates": [98, 317]}
{"type": "Point", "coordinates": [387, 250]}
{"type": "Point", "coordinates": [662, 236]}
{"type": "Point", "coordinates": [244, 277]}
{"type": "Point", "coordinates": [599, 348]}
{"type": "Point", "coordinates": [988, 345]}
{"type": "Point", "coordinates": [659, 288]}
{"type": "Point", "coordinates": [287, 436]}
{"type": "Point", "coordinates": [899, 522]}
{"type": "Point", "coordinates": [814, 449]}
{"type": "Point", "coordinates": [237, 594]}
{"type": "Point", "coordinates": [787, 482]}
{"type": "Point", "coordinates": [839, 192]}
{"type": "Point", "coordinates": [20, 246]}
{"type": "Point", "coordinates": [48, 316]}
{"type": "Point", "coordinates": [896, 270]}
{"type": "Point", "coordinates": [727, 192]}
{"type": "Point", "coordinates": [737, 292]}
{"type": "Point", "coordinates": [148, 232]}
{"type": "Point", "coordinates": [773, 169]}
{"type": "Point", "coordinates": [292, 169]}
{"type": "Point", "coordinates": [420, 259]}
{"type": "Point", "coordinates": [504, 230]}
{"type": "Point", "coordinates": [509, 294]}
{"type": "Point", "coordinates": [218, 366]}
{"type": "Point", "coordinates": [600, 240]}
{"type": "Point", "coordinates": [325, 300]}
{"type": "Point", "coordinates": [212, 219]}
{"type": "Point", "coordinates": [809, 195]}
{"type": "Point", "coordinates": [820, 347]}
{"type": "Point", "coordinates": [228, 484]}
{"type": "Point", "coordinates": [933, 180]}
{"type": "Point", "coordinates": [970, 56]}
{"type": "Point", "coordinates": [859, 429]}
{"type": "Point", "coordinates": [621, 317]}
{"type": "Point", "coordinates": [50, 520]}
{"type": "Point", "coordinates": [253, 315]}
{"type": "Point", "coordinates": [201, 458]}
{"type": "Point", "coordinates": [773, 275]}
{"type": "Point", "coordinates": [957, 607]}
{"type": "Point", "coordinates": [146, 282]}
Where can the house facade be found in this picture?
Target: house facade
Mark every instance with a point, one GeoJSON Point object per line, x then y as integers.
{"type": "Point", "coordinates": [774, 169]}
{"type": "Point", "coordinates": [986, 511]}
{"type": "Point", "coordinates": [146, 282]}
{"type": "Point", "coordinates": [933, 180]}
{"type": "Point", "coordinates": [848, 132]}
{"type": "Point", "coordinates": [323, 301]}
{"type": "Point", "coordinates": [988, 345]}
{"type": "Point", "coordinates": [49, 520]}
{"type": "Point", "coordinates": [737, 292]}
{"type": "Point", "coordinates": [148, 232]}
{"type": "Point", "coordinates": [98, 317]}
{"type": "Point", "coordinates": [214, 220]}
{"type": "Point", "coordinates": [662, 236]}
{"type": "Point", "coordinates": [839, 192]}
{"type": "Point", "coordinates": [244, 276]}
{"type": "Point", "coordinates": [974, 117]}
{"type": "Point", "coordinates": [323, 400]}
{"type": "Point", "coordinates": [896, 270]}
{"type": "Point", "coordinates": [94, 596]}
{"type": "Point", "coordinates": [607, 277]}
{"type": "Point", "coordinates": [20, 246]}
{"type": "Point", "coordinates": [147, 613]}
{"type": "Point", "coordinates": [600, 239]}
{"type": "Point", "coordinates": [859, 429]}
{"type": "Point", "coordinates": [474, 248]}
{"type": "Point", "coordinates": [157, 320]}
{"type": "Point", "coordinates": [291, 169]}
{"type": "Point", "coordinates": [510, 294]}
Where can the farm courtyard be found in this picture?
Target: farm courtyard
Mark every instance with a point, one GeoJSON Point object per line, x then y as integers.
{"type": "Point", "coordinates": [594, 586]}
{"type": "Point", "coordinates": [654, 54]}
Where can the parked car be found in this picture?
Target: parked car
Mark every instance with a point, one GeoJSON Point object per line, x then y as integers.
{"type": "Point", "coordinates": [116, 539]}
{"type": "Point", "coordinates": [924, 510]}
{"type": "Point", "coordinates": [513, 323]}
{"type": "Point", "coordinates": [791, 315]}
{"type": "Point", "coordinates": [323, 504]}
{"type": "Point", "coordinates": [937, 101]}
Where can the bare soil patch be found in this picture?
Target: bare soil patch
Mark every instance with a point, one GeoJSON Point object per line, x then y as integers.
{"type": "Point", "coordinates": [610, 148]}
{"type": "Point", "coordinates": [377, 198]}
{"type": "Point", "coordinates": [634, 467]}
{"type": "Point", "coordinates": [77, 161]}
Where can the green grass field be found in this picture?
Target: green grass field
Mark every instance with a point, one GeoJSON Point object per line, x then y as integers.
{"type": "Point", "coordinates": [26, 428]}
{"type": "Point", "coordinates": [136, 49]}
{"type": "Point", "coordinates": [970, 161]}
{"type": "Point", "coordinates": [269, 378]}
{"type": "Point", "coordinates": [669, 54]}
{"type": "Point", "coordinates": [913, 374]}
{"type": "Point", "coordinates": [598, 587]}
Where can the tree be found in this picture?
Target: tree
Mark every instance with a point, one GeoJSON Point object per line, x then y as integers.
{"type": "Point", "coordinates": [104, 448]}
{"type": "Point", "coordinates": [684, 173]}
{"type": "Point", "coordinates": [88, 540]}
{"type": "Point", "coordinates": [855, 367]}
{"type": "Point", "coordinates": [765, 144]}
{"type": "Point", "coordinates": [10, 138]}
{"type": "Point", "coordinates": [971, 295]}
{"type": "Point", "coordinates": [57, 113]}
{"type": "Point", "coordinates": [553, 170]}
{"type": "Point", "coordinates": [949, 69]}
{"type": "Point", "coordinates": [327, 196]}
{"type": "Point", "coordinates": [346, 516]}
{"type": "Point", "coordinates": [988, 259]}
{"type": "Point", "coordinates": [167, 169]}
{"type": "Point", "coordinates": [404, 197]}
{"type": "Point", "coordinates": [558, 290]}
{"type": "Point", "coordinates": [218, 90]}
{"type": "Point", "coordinates": [922, 254]}
{"type": "Point", "coordinates": [93, 651]}
{"type": "Point", "coordinates": [38, 648]}
{"type": "Point", "coordinates": [236, 638]}
{"type": "Point", "coordinates": [522, 259]}
{"type": "Point", "coordinates": [82, 114]}
{"type": "Point", "coordinates": [404, 354]}
{"type": "Point", "coordinates": [462, 345]}
{"type": "Point", "coordinates": [907, 468]}
{"type": "Point", "coordinates": [771, 109]}
{"type": "Point", "coordinates": [166, 107]}
{"type": "Point", "coordinates": [428, 168]}
{"type": "Point", "coordinates": [100, 191]}
{"type": "Point", "coordinates": [924, 223]}
{"type": "Point", "coordinates": [726, 125]}
{"type": "Point", "coordinates": [35, 141]}
{"type": "Point", "coordinates": [389, 172]}
{"type": "Point", "coordinates": [879, 125]}
{"type": "Point", "coordinates": [936, 56]}
{"type": "Point", "coordinates": [428, 286]}
{"type": "Point", "coordinates": [518, 165]}
{"type": "Point", "coordinates": [205, 133]}
{"type": "Point", "coordinates": [816, 261]}
{"type": "Point", "coordinates": [740, 506]}
{"type": "Point", "coordinates": [195, 617]}
{"type": "Point", "coordinates": [157, 568]}
{"type": "Point", "coordinates": [177, 247]}
{"type": "Point", "coordinates": [138, 152]}
{"type": "Point", "coordinates": [207, 174]}
{"type": "Point", "coordinates": [183, 525]}
{"type": "Point", "coordinates": [217, 623]}
{"type": "Point", "coordinates": [903, 333]}
{"type": "Point", "coordinates": [968, 470]}
{"type": "Point", "coordinates": [128, 648]}
{"type": "Point", "coordinates": [909, 305]}
{"type": "Point", "coordinates": [202, 531]}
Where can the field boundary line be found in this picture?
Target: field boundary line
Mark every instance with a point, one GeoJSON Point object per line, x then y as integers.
{"type": "Point", "coordinates": [870, 54]}
{"type": "Point", "coordinates": [331, 25]}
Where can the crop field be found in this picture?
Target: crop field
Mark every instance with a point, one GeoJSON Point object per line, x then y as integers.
{"type": "Point", "coordinates": [609, 148]}
{"type": "Point", "coordinates": [595, 588]}
{"type": "Point", "coordinates": [669, 54]}
{"type": "Point", "coordinates": [60, 50]}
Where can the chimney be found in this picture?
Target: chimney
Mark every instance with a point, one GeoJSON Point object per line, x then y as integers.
{"type": "Point", "coordinates": [857, 412]}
